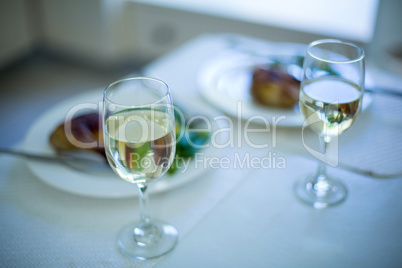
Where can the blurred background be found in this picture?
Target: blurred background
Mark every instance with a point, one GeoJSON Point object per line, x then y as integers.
{"type": "Point", "coordinates": [113, 33]}
{"type": "Point", "coordinates": [51, 49]}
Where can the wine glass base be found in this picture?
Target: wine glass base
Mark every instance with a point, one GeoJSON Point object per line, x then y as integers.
{"type": "Point", "coordinates": [333, 195]}
{"type": "Point", "coordinates": [162, 239]}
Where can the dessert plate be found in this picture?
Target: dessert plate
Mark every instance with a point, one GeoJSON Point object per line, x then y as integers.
{"type": "Point", "coordinates": [225, 82]}
{"type": "Point", "coordinates": [107, 185]}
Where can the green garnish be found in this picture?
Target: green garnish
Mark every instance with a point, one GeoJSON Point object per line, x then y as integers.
{"type": "Point", "coordinates": [188, 142]}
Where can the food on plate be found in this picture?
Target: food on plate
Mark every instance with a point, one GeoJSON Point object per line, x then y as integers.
{"type": "Point", "coordinates": [274, 87]}
{"type": "Point", "coordinates": [188, 142]}
{"type": "Point", "coordinates": [85, 132]}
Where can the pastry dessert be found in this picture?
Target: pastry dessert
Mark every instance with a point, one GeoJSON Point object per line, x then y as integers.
{"type": "Point", "coordinates": [86, 134]}
{"type": "Point", "coordinates": [274, 87]}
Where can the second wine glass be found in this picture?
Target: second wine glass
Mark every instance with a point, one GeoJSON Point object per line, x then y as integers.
{"type": "Point", "coordinates": [331, 94]}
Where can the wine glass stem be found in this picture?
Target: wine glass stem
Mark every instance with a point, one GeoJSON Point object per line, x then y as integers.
{"type": "Point", "coordinates": [321, 184]}
{"type": "Point", "coordinates": [145, 233]}
{"type": "Point", "coordinates": [144, 208]}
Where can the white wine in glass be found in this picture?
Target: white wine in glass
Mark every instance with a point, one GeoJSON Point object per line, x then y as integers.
{"type": "Point", "coordinates": [139, 143]}
{"type": "Point", "coordinates": [139, 136]}
{"type": "Point", "coordinates": [331, 94]}
{"type": "Point", "coordinates": [334, 109]}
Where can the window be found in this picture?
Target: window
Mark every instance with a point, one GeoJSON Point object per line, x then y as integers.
{"type": "Point", "coordinates": [353, 20]}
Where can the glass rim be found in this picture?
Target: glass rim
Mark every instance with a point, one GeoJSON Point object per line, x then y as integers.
{"type": "Point", "coordinates": [167, 93]}
{"type": "Point", "coordinates": [328, 41]}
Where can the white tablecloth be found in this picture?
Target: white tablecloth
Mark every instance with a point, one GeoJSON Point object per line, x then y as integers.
{"type": "Point", "coordinates": [232, 217]}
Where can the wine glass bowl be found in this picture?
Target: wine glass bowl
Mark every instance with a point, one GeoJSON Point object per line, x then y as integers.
{"type": "Point", "coordinates": [331, 94]}
{"type": "Point", "coordinates": [139, 137]}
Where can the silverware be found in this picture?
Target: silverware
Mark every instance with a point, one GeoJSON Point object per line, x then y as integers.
{"type": "Point", "coordinates": [85, 161]}
{"type": "Point", "coordinates": [385, 91]}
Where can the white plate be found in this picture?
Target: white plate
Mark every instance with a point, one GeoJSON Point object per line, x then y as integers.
{"type": "Point", "coordinates": [225, 82]}
{"type": "Point", "coordinates": [73, 181]}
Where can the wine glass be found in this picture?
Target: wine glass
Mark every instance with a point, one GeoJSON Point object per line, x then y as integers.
{"type": "Point", "coordinates": [139, 136]}
{"type": "Point", "coordinates": [331, 94]}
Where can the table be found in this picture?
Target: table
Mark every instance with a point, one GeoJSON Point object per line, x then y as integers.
{"type": "Point", "coordinates": [237, 216]}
